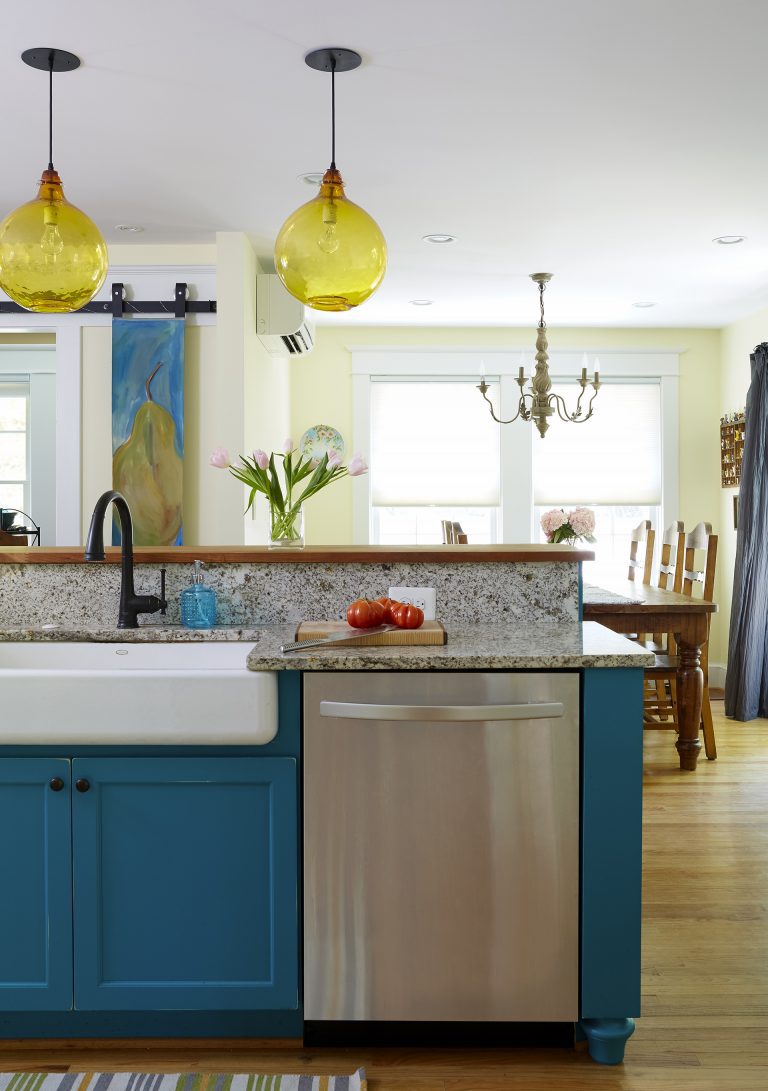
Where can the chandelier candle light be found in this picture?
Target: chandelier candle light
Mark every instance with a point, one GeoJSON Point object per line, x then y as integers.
{"type": "Point", "coordinates": [53, 259]}
{"type": "Point", "coordinates": [330, 254]}
{"type": "Point", "coordinates": [543, 403]}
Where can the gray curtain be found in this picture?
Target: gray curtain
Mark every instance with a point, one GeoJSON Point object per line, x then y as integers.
{"type": "Point", "coordinates": [746, 687]}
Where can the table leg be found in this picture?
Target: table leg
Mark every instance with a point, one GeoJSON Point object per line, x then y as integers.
{"type": "Point", "coordinates": [690, 690]}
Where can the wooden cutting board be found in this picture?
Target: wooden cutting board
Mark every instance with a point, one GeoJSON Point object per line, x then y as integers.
{"type": "Point", "coordinates": [431, 632]}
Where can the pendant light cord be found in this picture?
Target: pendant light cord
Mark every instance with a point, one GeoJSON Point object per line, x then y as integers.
{"type": "Point", "coordinates": [333, 113]}
{"type": "Point", "coordinates": [50, 111]}
{"type": "Point", "coordinates": [542, 324]}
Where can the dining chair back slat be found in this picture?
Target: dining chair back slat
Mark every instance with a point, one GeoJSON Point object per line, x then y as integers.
{"type": "Point", "coordinates": [643, 537]}
{"type": "Point", "coordinates": [671, 562]}
{"type": "Point", "coordinates": [701, 538]}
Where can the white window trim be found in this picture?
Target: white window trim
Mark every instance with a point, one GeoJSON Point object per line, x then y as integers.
{"type": "Point", "coordinates": [22, 380]}
{"type": "Point", "coordinates": [622, 365]}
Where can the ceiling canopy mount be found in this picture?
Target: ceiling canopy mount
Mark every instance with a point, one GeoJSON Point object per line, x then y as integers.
{"type": "Point", "coordinates": [48, 59]}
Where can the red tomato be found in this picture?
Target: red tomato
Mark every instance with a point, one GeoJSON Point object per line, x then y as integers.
{"type": "Point", "coordinates": [365, 614]}
{"type": "Point", "coordinates": [406, 616]}
{"type": "Point", "coordinates": [389, 605]}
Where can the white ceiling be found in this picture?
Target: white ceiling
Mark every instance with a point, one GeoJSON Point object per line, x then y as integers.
{"type": "Point", "coordinates": [605, 141]}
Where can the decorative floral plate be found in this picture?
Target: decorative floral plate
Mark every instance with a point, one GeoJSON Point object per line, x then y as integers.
{"type": "Point", "coordinates": [321, 440]}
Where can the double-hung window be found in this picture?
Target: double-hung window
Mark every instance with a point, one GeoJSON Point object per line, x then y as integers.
{"type": "Point", "coordinates": [611, 463]}
{"type": "Point", "coordinates": [434, 456]}
{"type": "Point", "coordinates": [14, 443]}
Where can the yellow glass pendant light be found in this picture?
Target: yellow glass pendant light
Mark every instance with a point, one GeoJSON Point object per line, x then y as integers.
{"type": "Point", "coordinates": [330, 253]}
{"type": "Point", "coordinates": [53, 259]}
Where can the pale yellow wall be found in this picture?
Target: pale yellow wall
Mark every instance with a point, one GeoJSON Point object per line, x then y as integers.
{"type": "Point", "coordinates": [739, 341]}
{"type": "Point", "coordinates": [248, 397]}
{"type": "Point", "coordinates": [267, 423]}
{"type": "Point", "coordinates": [321, 392]}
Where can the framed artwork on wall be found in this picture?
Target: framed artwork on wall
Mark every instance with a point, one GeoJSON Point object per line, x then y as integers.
{"type": "Point", "coordinates": [148, 427]}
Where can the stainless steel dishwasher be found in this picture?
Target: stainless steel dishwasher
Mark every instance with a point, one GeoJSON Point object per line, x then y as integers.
{"type": "Point", "coordinates": [441, 846]}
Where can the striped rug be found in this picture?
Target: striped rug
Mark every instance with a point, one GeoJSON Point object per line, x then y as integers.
{"type": "Point", "coordinates": [176, 1081]}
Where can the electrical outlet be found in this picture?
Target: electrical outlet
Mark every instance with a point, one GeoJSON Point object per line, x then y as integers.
{"type": "Point", "coordinates": [423, 597]}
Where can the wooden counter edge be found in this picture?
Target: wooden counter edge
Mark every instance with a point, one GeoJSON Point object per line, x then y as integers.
{"type": "Point", "coordinates": [537, 553]}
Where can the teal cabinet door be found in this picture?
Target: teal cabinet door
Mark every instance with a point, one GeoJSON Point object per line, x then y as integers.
{"type": "Point", "coordinates": [36, 877]}
{"type": "Point", "coordinates": [185, 883]}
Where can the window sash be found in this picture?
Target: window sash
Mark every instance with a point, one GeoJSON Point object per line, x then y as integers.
{"type": "Point", "coordinates": [433, 443]}
{"type": "Point", "coordinates": [17, 387]}
{"type": "Point", "coordinates": [613, 459]}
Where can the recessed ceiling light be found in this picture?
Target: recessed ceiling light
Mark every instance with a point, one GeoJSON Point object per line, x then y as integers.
{"type": "Point", "coordinates": [644, 303]}
{"type": "Point", "coordinates": [313, 178]}
{"type": "Point", "coordinates": [729, 240]}
{"type": "Point", "coordinates": [438, 238]}
{"type": "Point", "coordinates": [131, 229]}
{"type": "Point", "coordinates": [421, 302]}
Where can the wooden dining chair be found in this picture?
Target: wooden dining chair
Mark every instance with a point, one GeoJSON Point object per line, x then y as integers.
{"type": "Point", "coordinates": [453, 533]}
{"type": "Point", "coordinates": [670, 578]}
{"type": "Point", "coordinates": [643, 537]}
{"type": "Point", "coordinates": [18, 540]}
{"type": "Point", "coordinates": [660, 705]}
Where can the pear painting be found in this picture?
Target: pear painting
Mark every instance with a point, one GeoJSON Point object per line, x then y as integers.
{"type": "Point", "coordinates": [147, 427]}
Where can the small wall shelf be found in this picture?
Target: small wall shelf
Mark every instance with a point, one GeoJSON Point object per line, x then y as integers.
{"type": "Point", "coordinates": [731, 449]}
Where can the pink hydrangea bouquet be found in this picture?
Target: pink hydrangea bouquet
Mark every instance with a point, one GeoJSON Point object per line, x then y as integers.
{"type": "Point", "coordinates": [573, 526]}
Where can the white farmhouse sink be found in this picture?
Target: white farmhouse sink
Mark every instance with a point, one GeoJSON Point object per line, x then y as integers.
{"type": "Point", "coordinates": [159, 694]}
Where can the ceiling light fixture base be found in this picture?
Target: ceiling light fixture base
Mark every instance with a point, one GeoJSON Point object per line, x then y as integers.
{"type": "Point", "coordinates": [333, 59]}
{"type": "Point", "coordinates": [48, 59]}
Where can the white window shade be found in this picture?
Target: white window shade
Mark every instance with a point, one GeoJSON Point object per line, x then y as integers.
{"type": "Point", "coordinates": [613, 458]}
{"type": "Point", "coordinates": [433, 443]}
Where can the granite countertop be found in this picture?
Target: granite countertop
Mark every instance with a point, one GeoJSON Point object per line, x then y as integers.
{"type": "Point", "coordinates": [469, 647]}
{"type": "Point", "coordinates": [145, 634]}
{"type": "Point", "coordinates": [595, 593]}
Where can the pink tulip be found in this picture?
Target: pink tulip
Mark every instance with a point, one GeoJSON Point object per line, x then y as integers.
{"type": "Point", "coordinates": [287, 446]}
{"type": "Point", "coordinates": [261, 458]}
{"type": "Point", "coordinates": [334, 459]}
{"type": "Point", "coordinates": [357, 466]}
{"type": "Point", "coordinates": [220, 458]}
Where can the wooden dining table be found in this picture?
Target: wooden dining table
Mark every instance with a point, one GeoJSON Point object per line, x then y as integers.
{"type": "Point", "coordinates": [628, 607]}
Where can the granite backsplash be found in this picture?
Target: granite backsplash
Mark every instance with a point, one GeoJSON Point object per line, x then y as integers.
{"type": "Point", "coordinates": [253, 594]}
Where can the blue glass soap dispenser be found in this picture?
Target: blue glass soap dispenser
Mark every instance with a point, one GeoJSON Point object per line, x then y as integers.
{"type": "Point", "coordinates": [198, 602]}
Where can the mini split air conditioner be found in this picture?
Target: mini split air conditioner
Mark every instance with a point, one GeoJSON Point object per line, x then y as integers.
{"type": "Point", "coordinates": [281, 321]}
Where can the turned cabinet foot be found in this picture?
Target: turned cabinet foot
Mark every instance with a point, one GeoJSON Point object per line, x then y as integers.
{"type": "Point", "coordinates": [607, 1038]}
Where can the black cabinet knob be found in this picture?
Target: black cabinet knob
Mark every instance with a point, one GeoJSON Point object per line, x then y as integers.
{"type": "Point", "coordinates": [82, 784]}
{"type": "Point", "coordinates": [56, 784]}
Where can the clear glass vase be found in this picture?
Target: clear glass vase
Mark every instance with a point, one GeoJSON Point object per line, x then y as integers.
{"type": "Point", "coordinates": [286, 528]}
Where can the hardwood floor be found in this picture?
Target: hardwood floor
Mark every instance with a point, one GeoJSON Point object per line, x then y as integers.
{"type": "Point", "coordinates": [705, 962]}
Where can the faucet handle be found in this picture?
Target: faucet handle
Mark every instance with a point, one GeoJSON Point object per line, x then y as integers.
{"type": "Point", "coordinates": [164, 606]}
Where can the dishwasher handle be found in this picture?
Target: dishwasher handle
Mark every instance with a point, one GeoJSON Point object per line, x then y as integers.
{"type": "Point", "coordinates": [539, 710]}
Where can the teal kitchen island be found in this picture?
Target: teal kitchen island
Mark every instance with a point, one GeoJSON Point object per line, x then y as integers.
{"type": "Point", "coordinates": [170, 890]}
